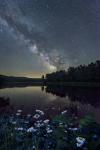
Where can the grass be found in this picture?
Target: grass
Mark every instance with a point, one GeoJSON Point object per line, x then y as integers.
{"type": "Point", "coordinates": [63, 135]}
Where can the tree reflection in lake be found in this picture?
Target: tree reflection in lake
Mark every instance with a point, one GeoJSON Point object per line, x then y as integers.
{"type": "Point", "coordinates": [84, 95]}
{"type": "Point", "coordinates": [53, 99]}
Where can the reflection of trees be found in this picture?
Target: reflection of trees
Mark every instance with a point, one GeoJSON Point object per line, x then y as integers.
{"type": "Point", "coordinates": [19, 84]}
{"type": "Point", "coordinates": [56, 90]}
{"type": "Point", "coordinates": [42, 88]}
{"type": "Point", "coordinates": [84, 95]}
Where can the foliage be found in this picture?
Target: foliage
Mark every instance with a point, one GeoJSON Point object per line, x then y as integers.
{"type": "Point", "coordinates": [15, 136]}
{"type": "Point", "coordinates": [82, 73]}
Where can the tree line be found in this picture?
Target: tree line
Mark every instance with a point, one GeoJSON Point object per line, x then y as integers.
{"type": "Point", "coordinates": [82, 73]}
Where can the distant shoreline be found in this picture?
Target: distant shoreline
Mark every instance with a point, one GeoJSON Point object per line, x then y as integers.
{"type": "Point", "coordinates": [43, 83]}
{"type": "Point", "coordinates": [6, 81]}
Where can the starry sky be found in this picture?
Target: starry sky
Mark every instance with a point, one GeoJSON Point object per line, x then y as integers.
{"type": "Point", "coordinates": [42, 36]}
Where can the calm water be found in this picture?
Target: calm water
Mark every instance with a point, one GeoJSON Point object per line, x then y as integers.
{"type": "Point", "coordinates": [52, 100]}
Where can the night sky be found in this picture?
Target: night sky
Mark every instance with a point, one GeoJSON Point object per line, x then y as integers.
{"type": "Point", "coordinates": [41, 36]}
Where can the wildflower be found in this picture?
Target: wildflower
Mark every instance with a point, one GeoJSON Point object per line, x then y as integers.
{"type": "Point", "coordinates": [64, 112]}
{"type": "Point", "coordinates": [38, 124]}
{"type": "Point", "coordinates": [33, 148]}
{"type": "Point", "coordinates": [39, 121]}
{"type": "Point", "coordinates": [31, 129]}
{"type": "Point", "coordinates": [65, 131]}
{"type": "Point", "coordinates": [26, 122]}
{"type": "Point", "coordinates": [40, 112]}
{"type": "Point", "coordinates": [29, 115]}
{"type": "Point", "coordinates": [36, 116]}
{"type": "Point", "coordinates": [60, 124]}
{"type": "Point", "coordinates": [18, 114]}
{"type": "Point", "coordinates": [13, 122]}
{"type": "Point", "coordinates": [73, 129]}
{"type": "Point", "coordinates": [19, 111]}
{"type": "Point", "coordinates": [49, 130]}
{"type": "Point", "coordinates": [19, 129]}
{"type": "Point", "coordinates": [80, 141]}
{"type": "Point", "coordinates": [46, 121]}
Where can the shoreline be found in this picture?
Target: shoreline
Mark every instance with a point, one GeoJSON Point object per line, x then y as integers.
{"type": "Point", "coordinates": [63, 84]}
{"type": "Point", "coordinates": [75, 84]}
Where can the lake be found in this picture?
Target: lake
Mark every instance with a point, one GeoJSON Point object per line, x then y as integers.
{"type": "Point", "coordinates": [53, 100]}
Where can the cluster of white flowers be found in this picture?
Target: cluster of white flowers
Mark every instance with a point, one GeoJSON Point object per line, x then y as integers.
{"type": "Point", "coordinates": [38, 124]}
{"type": "Point", "coordinates": [80, 141]}
{"type": "Point", "coordinates": [19, 112]}
{"type": "Point", "coordinates": [33, 147]}
{"type": "Point", "coordinates": [19, 129]}
{"type": "Point", "coordinates": [31, 129]}
{"type": "Point", "coordinates": [36, 116]}
{"type": "Point", "coordinates": [46, 121]}
{"type": "Point", "coordinates": [61, 124]}
{"type": "Point", "coordinates": [49, 130]}
{"type": "Point", "coordinates": [73, 129]}
{"type": "Point", "coordinates": [40, 112]}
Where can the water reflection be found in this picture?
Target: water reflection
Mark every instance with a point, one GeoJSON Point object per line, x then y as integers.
{"type": "Point", "coordinates": [53, 99]}
{"type": "Point", "coordinates": [83, 95]}
{"type": "Point", "coordinates": [19, 85]}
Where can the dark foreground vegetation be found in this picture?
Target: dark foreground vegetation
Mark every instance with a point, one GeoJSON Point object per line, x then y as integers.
{"type": "Point", "coordinates": [35, 132]}
{"type": "Point", "coordinates": [82, 73]}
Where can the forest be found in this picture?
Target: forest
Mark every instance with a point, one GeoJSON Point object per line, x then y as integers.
{"type": "Point", "coordinates": [82, 73]}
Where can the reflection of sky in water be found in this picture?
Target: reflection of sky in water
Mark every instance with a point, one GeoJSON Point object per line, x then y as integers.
{"type": "Point", "coordinates": [27, 98]}
{"type": "Point", "coordinates": [30, 98]}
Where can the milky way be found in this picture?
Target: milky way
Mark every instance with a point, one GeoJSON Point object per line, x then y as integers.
{"type": "Point", "coordinates": [40, 36]}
